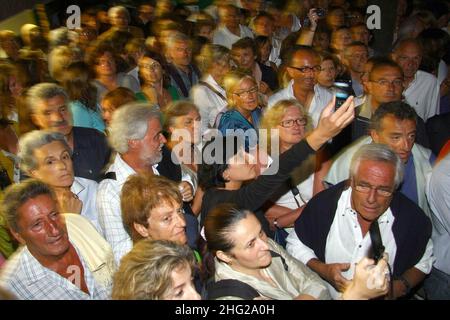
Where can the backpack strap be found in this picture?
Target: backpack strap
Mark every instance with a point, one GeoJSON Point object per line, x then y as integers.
{"type": "Point", "coordinates": [210, 87]}
{"type": "Point", "coordinates": [231, 287]}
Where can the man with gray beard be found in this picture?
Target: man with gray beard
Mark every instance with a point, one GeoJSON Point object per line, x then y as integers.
{"type": "Point", "coordinates": [137, 137]}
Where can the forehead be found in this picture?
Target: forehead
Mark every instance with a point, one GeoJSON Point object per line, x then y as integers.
{"type": "Point", "coordinates": [409, 49]}
{"type": "Point", "coordinates": [263, 20]}
{"type": "Point", "coordinates": [246, 83]}
{"type": "Point", "coordinates": [376, 172]}
{"type": "Point", "coordinates": [148, 60]}
{"type": "Point", "coordinates": [153, 126]}
{"type": "Point", "coordinates": [386, 72]}
{"type": "Point", "coordinates": [35, 207]}
{"type": "Point", "coordinates": [49, 148]}
{"type": "Point", "coordinates": [358, 49]}
{"type": "Point", "coordinates": [245, 230]}
{"type": "Point", "coordinates": [167, 205]}
{"type": "Point", "coordinates": [391, 123]}
{"type": "Point", "coordinates": [305, 57]}
{"type": "Point", "coordinates": [51, 103]}
{"type": "Point", "coordinates": [291, 111]}
{"type": "Point", "coordinates": [247, 50]}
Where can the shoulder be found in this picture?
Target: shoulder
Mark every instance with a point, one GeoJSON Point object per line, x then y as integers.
{"type": "Point", "coordinates": [408, 212]}
{"type": "Point", "coordinates": [87, 183]}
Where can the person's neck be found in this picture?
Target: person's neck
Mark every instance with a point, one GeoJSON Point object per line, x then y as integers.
{"type": "Point", "coordinates": [108, 79]}
{"type": "Point", "coordinates": [183, 68]}
{"type": "Point", "coordinates": [69, 138]}
{"type": "Point", "coordinates": [233, 185]}
{"type": "Point", "coordinates": [408, 80]}
{"type": "Point", "coordinates": [257, 273]}
{"type": "Point", "coordinates": [245, 113]}
{"type": "Point", "coordinates": [61, 189]}
{"type": "Point", "coordinates": [234, 29]}
{"type": "Point", "coordinates": [301, 93]}
{"type": "Point", "coordinates": [156, 85]}
{"type": "Point", "coordinates": [374, 104]}
{"type": "Point", "coordinates": [216, 78]}
{"type": "Point", "coordinates": [56, 263]}
{"type": "Point", "coordinates": [136, 163]}
{"type": "Point", "coordinates": [285, 146]}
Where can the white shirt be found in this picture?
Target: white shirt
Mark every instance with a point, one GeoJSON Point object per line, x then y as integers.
{"type": "Point", "coordinates": [275, 52]}
{"type": "Point", "coordinates": [322, 96]}
{"type": "Point", "coordinates": [345, 243]}
{"type": "Point", "coordinates": [86, 190]}
{"type": "Point", "coordinates": [208, 102]}
{"type": "Point", "coordinates": [438, 193]}
{"type": "Point", "coordinates": [226, 38]}
{"type": "Point", "coordinates": [423, 95]}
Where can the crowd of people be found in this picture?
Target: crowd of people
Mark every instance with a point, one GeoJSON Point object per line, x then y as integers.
{"type": "Point", "coordinates": [234, 150]}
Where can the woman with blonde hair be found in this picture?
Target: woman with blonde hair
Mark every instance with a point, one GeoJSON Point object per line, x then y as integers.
{"type": "Point", "coordinates": [156, 270]}
{"type": "Point", "coordinates": [287, 123]}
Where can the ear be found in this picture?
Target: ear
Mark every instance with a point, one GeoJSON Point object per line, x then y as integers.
{"type": "Point", "coordinates": [290, 72]}
{"type": "Point", "coordinates": [223, 256]}
{"type": "Point", "coordinates": [375, 136]}
{"type": "Point", "coordinates": [17, 236]}
{"type": "Point", "coordinates": [226, 175]}
{"type": "Point", "coordinates": [133, 143]}
{"type": "Point", "coordinates": [141, 229]}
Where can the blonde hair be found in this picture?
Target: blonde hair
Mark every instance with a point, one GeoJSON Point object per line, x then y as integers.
{"type": "Point", "coordinates": [273, 116]}
{"type": "Point", "coordinates": [141, 194]}
{"type": "Point", "coordinates": [145, 273]}
{"type": "Point", "coordinates": [231, 80]}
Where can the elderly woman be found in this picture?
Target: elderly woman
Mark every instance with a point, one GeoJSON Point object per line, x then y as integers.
{"type": "Point", "coordinates": [244, 253]}
{"type": "Point", "coordinates": [156, 270]}
{"type": "Point", "coordinates": [243, 111]}
{"type": "Point", "coordinates": [287, 123]}
{"type": "Point", "coordinates": [155, 85]}
{"type": "Point", "coordinates": [100, 59]}
{"type": "Point", "coordinates": [46, 156]}
{"type": "Point", "coordinates": [209, 95]}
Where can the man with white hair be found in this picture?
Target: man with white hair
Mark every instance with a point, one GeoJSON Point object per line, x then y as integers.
{"type": "Point", "coordinates": [136, 135]}
{"type": "Point", "coordinates": [119, 18]}
{"type": "Point", "coordinates": [340, 225]}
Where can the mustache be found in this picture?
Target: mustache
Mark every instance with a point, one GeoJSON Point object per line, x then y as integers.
{"type": "Point", "coordinates": [60, 123]}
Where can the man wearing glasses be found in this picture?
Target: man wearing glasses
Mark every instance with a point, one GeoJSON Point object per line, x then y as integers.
{"type": "Point", "coordinates": [332, 233]}
{"type": "Point", "coordinates": [393, 124]}
{"type": "Point", "coordinates": [303, 67]}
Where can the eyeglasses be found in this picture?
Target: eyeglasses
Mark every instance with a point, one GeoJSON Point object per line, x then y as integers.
{"type": "Point", "coordinates": [306, 69]}
{"type": "Point", "coordinates": [245, 93]}
{"type": "Point", "coordinates": [386, 83]}
{"type": "Point", "coordinates": [290, 123]}
{"type": "Point", "coordinates": [366, 188]}
{"type": "Point", "coordinates": [150, 66]}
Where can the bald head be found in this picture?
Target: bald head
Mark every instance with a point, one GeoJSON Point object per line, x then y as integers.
{"type": "Point", "coordinates": [408, 54]}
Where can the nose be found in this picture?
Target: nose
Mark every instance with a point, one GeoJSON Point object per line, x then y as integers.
{"type": "Point", "coordinates": [191, 293]}
{"type": "Point", "coordinates": [371, 196]}
{"type": "Point", "coordinates": [181, 221]}
{"type": "Point", "coordinates": [262, 244]}
{"type": "Point", "coordinates": [56, 117]}
{"type": "Point", "coordinates": [51, 228]}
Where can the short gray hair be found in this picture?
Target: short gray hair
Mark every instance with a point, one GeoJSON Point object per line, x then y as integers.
{"type": "Point", "coordinates": [114, 10]}
{"type": "Point", "coordinates": [380, 153]}
{"type": "Point", "coordinates": [177, 37]}
{"type": "Point", "coordinates": [43, 91]}
{"type": "Point", "coordinates": [130, 122]}
{"type": "Point", "coordinates": [33, 140]}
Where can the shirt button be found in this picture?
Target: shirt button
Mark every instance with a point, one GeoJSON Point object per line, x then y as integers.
{"type": "Point", "coordinates": [359, 246]}
{"type": "Point", "coordinates": [90, 171]}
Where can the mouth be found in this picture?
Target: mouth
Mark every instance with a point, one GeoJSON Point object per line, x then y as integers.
{"type": "Point", "coordinates": [56, 240]}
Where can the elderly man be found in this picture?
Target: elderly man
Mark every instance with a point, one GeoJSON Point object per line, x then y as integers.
{"type": "Point", "coordinates": [183, 73]}
{"type": "Point", "coordinates": [45, 155]}
{"type": "Point", "coordinates": [229, 29]}
{"type": "Point", "coordinates": [393, 124]}
{"type": "Point", "coordinates": [62, 257]}
{"type": "Point", "coordinates": [303, 66]}
{"type": "Point", "coordinates": [421, 88]}
{"type": "Point", "coordinates": [47, 103]}
{"type": "Point", "coordinates": [119, 18]}
{"type": "Point", "coordinates": [331, 234]}
{"type": "Point", "coordinates": [355, 56]}
{"type": "Point", "coordinates": [136, 135]}
{"type": "Point", "coordinates": [438, 194]}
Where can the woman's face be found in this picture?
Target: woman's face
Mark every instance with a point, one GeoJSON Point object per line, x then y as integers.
{"type": "Point", "coordinates": [328, 73]}
{"type": "Point", "coordinates": [182, 287]}
{"type": "Point", "coordinates": [264, 51]}
{"type": "Point", "coordinates": [292, 126]}
{"type": "Point", "coordinates": [245, 95]}
{"type": "Point", "coordinates": [251, 251]}
{"type": "Point", "coordinates": [54, 165]}
{"type": "Point", "coordinates": [106, 66]}
{"type": "Point", "coordinates": [189, 127]}
{"type": "Point", "coordinates": [219, 69]}
{"type": "Point", "coordinates": [150, 70]}
{"type": "Point", "coordinates": [241, 167]}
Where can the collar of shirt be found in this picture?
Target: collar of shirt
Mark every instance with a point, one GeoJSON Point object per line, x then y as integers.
{"type": "Point", "coordinates": [77, 187]}
{"type": "Point", "coordinates": [123, 170]}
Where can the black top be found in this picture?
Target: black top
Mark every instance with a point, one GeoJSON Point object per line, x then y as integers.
{"type": "Point", "coordinates": [90, 153]}
{"type": "Point", "coordinates": [253, 195]}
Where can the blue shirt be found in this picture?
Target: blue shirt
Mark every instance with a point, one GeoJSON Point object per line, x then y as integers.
{"type": "Point", "coordinates": [409, 185]}
{"type": "Point", "coordinates": [86, 117]}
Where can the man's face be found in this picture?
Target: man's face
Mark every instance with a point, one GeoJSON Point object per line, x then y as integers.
{"type": "Point", "coordinates": [357, 58]}
{"type": "Point", "coordinates": [167, 222]}
{"type": "Point", "coordinates": [408, 57]}
{"type": "Point", "coordinates": [53, 114]}
{"type": "Point", "coordinates": [119, 19]}
{"type": "Point", "coordinates": [385, 84]}
{"type": "Point", "coordinates": [371, 181]}
{"type": "Point", "coordinates": [54, 165]}
{"type": "Point", "coordinates": [150, 147]}
{"type": "Point", "coordinates": [230, 18]}
{"type": "Point", "coordinates": [399, 135]}
{"type": "Point", "coordinates": [340, 39]}
{"type": "Point", "coordinates": [307, 77]}
{"type": "Point", "coordinates": [360, 33]}
{"type": "Point", "coordinates": [106, 66]}
{"type": "Point", "coordinates": [181, 53]}
{"type": "Point", "coordinates": [41, 228]}
{"type": "Point", "coordinates": [244, 58]}
{"type": "Point", "coordinates": [264, 27]}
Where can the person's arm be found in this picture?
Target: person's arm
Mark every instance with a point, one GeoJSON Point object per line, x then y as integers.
{"type": "Point", "coordinates": [284, 217]}
{"type": "Point", "coordinates": [407, 281]}
{"type": "Point", "coordinates": [307, 35]}
{"type": "Point", "coordinates": [196, 205]}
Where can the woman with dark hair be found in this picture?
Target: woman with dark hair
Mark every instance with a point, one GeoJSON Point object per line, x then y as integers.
{"type": "Point", "coordinates": [262, 269]}
{"type": "Point", "coordinates": [223, 172]}
{"type": "Point", "coordinates": [155, 84]}
{"type": "Point", "coordinates": [82, 94]}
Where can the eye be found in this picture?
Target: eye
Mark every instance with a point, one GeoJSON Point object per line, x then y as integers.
{"type": "Point", "coordinates": [54, 215]}
{"type": "Point", "coordinates": [49, 162]}
{"type": "Point", "coordinates": [65, 156]}
{"type": "Point", "coordinates": [179, 293]}
{"type": "Point", "coordinates": [37, 226]}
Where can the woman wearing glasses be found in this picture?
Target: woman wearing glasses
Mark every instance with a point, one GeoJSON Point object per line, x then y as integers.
{"type": "Point", "coordinates": [155, 87]}
{"type": "Point", "coordinates": [243, 111]}
{"type": "Point", "coordinates": [287, 123]}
